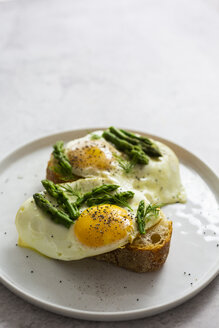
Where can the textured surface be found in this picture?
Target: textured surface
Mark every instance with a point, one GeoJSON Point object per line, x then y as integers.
{"type": "Point", "coordinates": [146, 65]}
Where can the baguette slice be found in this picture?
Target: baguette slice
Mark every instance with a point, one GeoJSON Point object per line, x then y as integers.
{"type": "Point", "coordinates": [147, 253]}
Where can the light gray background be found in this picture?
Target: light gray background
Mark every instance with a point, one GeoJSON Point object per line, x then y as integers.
{"type": "Point", "coordinates": [150, 65]}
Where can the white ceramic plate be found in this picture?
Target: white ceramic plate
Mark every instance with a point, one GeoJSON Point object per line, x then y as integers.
{"type": "Point", "coordinates": [93, 290]}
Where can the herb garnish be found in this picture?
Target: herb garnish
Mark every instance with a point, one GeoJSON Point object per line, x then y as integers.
{"type": "Point", "coordinates": [95, 136]}
{"type": "Point", "coordinates": [152, 210]}
{"type": "Point", "coordinates": [74, 192]}
{"type": "Point", "coordinates": [145, 214]}
{"type": "Point", "coordinates": [126, 165]}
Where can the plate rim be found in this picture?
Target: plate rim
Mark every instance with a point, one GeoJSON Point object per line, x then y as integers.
{"type": "Point", "coordinates": [109, 316]}
{"type": "Point", "coordinates": [114, 315]}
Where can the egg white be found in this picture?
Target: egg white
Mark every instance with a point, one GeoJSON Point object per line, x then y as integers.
{"type": "Point", "coordinates": [159, 180]}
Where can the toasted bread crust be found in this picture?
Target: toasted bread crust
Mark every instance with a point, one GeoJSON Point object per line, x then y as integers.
{"type": "Point", "coordinates": [141, 257]}
{"type": "Point", "coordinates": [52, 175]}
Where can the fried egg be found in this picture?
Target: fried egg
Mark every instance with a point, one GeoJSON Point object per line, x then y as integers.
{"type": "Point", "coordinates": [98, 229]}
{"type": "Point", "coordinates": [92, 157]}
{"type": "Point", "coordinates": [159, 180]}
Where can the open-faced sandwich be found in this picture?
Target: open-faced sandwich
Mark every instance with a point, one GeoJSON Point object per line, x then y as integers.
{"type": "Point", "coordinates": [102, 199]}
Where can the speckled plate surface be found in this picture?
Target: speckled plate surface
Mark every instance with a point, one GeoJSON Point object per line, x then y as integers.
{"type": "Point", "coordinates": [92, 290]}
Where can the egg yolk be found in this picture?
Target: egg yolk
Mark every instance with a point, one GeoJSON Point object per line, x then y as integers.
{"type": "Point", "coordinates": [91, 154]}
{"type": "Point", "coordinates": [103, 225]}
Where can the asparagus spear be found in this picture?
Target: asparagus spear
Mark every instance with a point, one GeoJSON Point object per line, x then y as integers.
{"type": "Point", "coordinates": [140, 217]}
{"type": "Point", "coordinates": [135, 136]}
{"type": "Point", "coordinates": [133, 151]}
{"type": "Point", "coordinates": [63, 163]}
{"type": "Point", "coordinates": [147, 145]}
{"type": "Point", "coordinates": [96, 191]}
{"type": "Point", "coordinates": [122, 135]}
{"type": "Point", "coordinates": [119, 143]}
{"type": "Point", "coordinates": [71, 210]}
{"type": "Point", "coordinates": [57, 216]}
{"type": "Point", "coordinates": [151, 150]}
{"type": "Point", "coordinates": [116, 199]}
{"type": "Point", "coordinates": [56, 192]}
